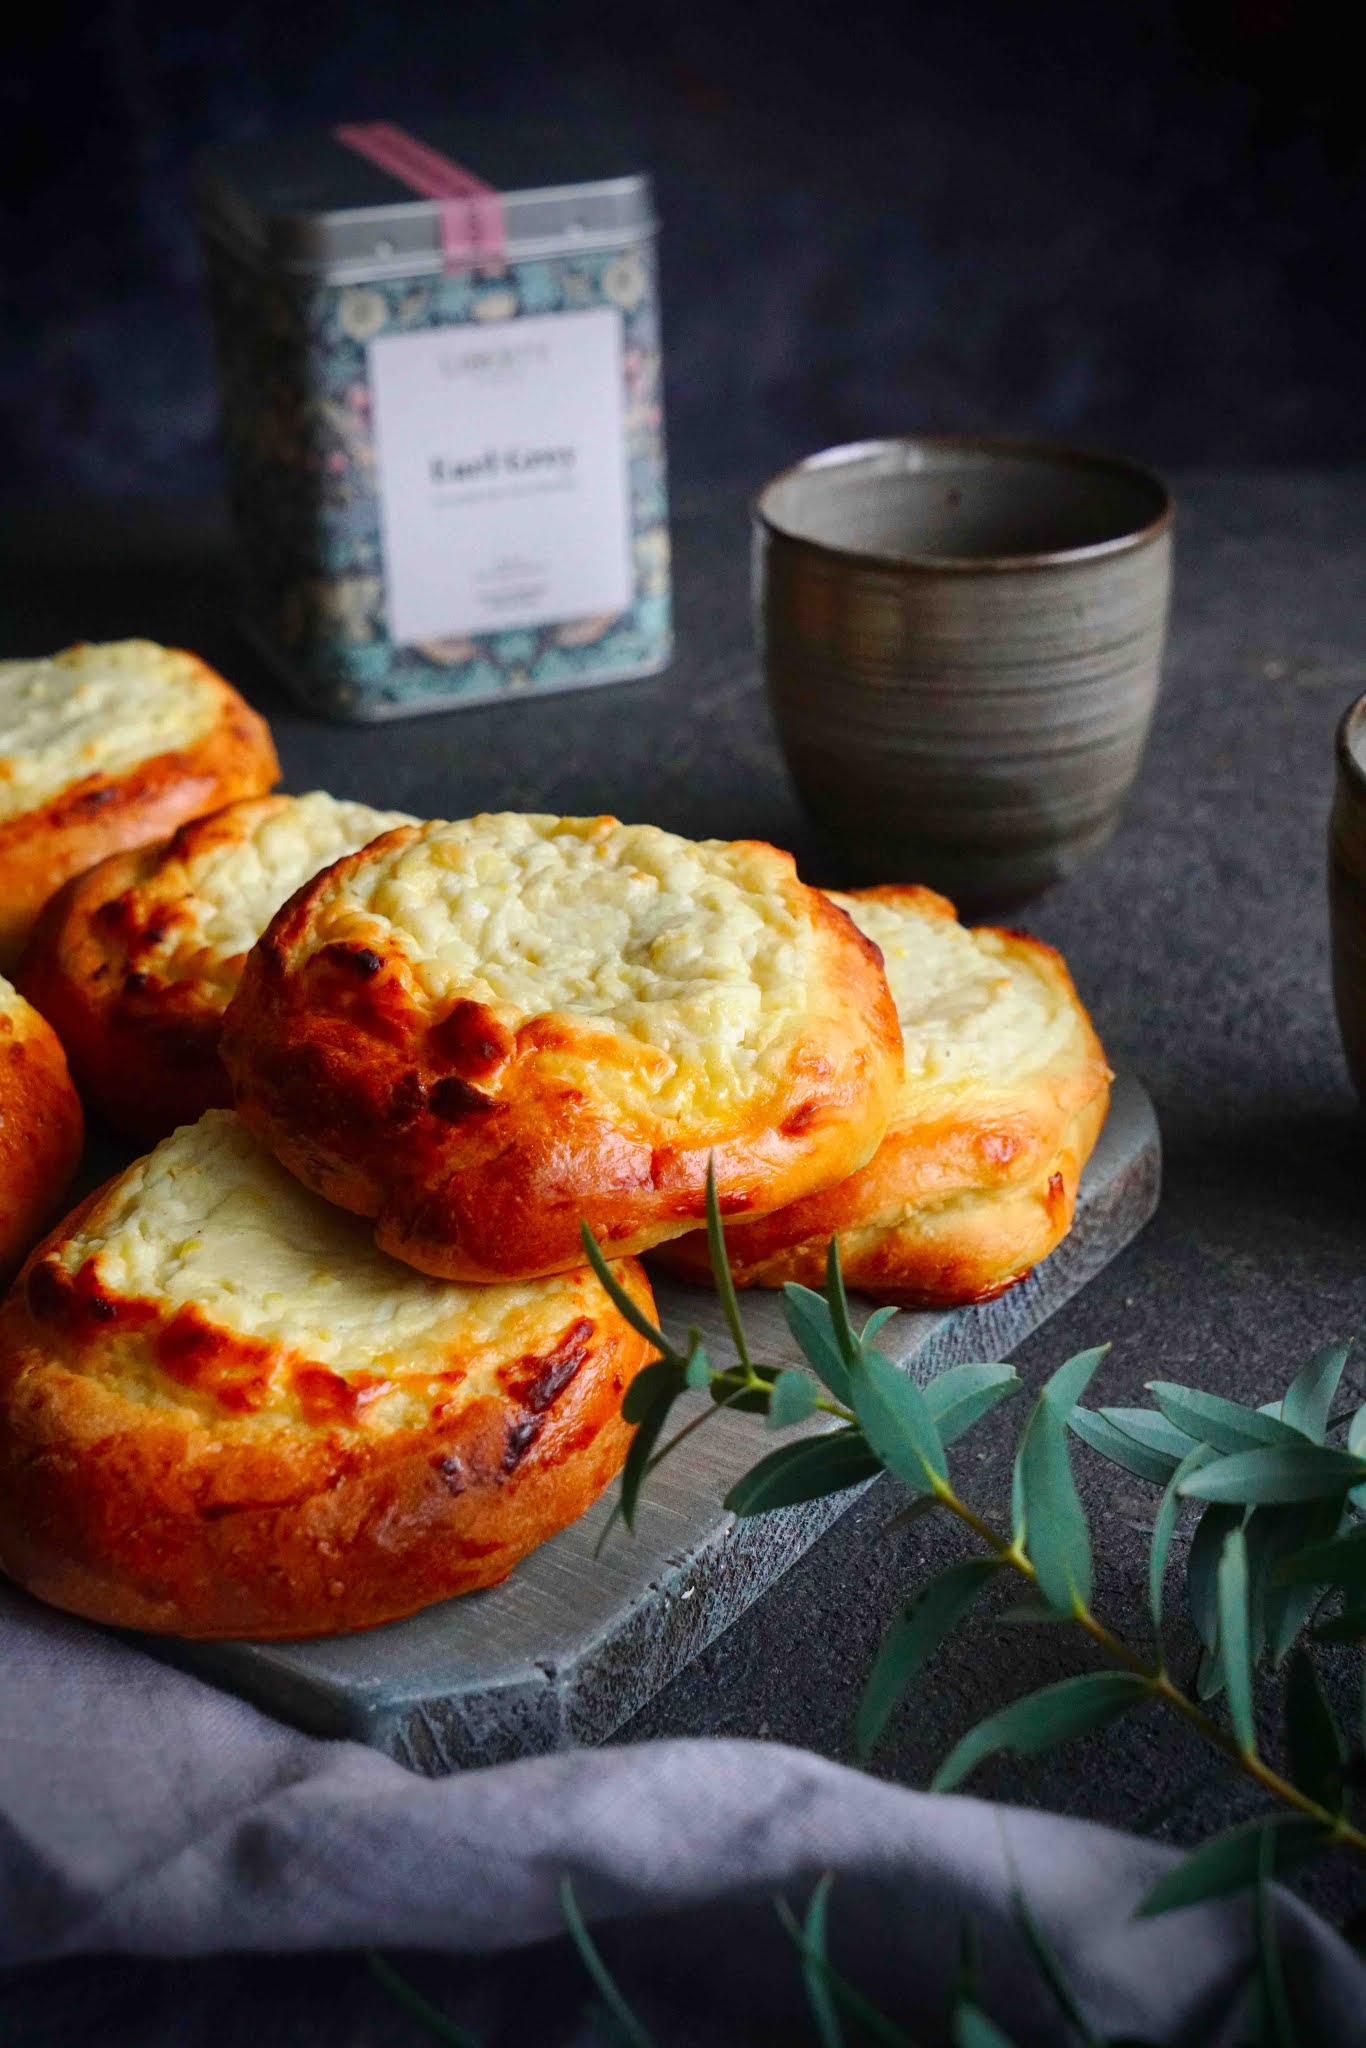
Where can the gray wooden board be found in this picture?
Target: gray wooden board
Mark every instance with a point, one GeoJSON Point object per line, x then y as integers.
{"type": "Point", "coordinates": [570, 1646]}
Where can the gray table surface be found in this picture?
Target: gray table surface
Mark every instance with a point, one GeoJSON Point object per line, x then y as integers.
{"type": "Point", "coordinates": [1198, 936]}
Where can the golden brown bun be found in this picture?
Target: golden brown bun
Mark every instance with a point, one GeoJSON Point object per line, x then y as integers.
{"type": "Point", "coordinates": [482, 1033]}
{"type": "Point", "coordinates": [134, 962]}
{"type": "Point", "coordinates": [103, 748]}
{"type": "Point", "coordinates": [224, 1413]}
{"type": "Point", "coordinates": [41, 1127]}
{"type": "Point", "coordinates": [1005, 1094]}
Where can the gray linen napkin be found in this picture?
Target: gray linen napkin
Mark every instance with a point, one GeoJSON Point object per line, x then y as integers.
{"type": "Point", "coordinates": [142, 1812]}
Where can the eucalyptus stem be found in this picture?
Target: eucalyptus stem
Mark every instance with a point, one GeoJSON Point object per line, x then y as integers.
{"type": "Point", "coordinates": [1154, 1675]}
{"type": "Point", "coordinates": [1269, 1470]}
{"type": "Point", "coordinates": [1158, 1681]}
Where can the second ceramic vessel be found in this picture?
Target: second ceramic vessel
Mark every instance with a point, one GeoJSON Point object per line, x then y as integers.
{"type": "Point", "coordinates": [962, 640]}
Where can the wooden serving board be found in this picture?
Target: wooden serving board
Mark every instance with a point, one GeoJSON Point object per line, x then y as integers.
{"type": "Point", "coordinates": [570, 1646]}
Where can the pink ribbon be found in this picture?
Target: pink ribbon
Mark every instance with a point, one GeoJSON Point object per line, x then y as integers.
{"type": "Point", "coordinates": [473, 232]}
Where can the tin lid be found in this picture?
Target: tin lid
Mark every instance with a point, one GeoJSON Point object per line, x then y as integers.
{"type": "Point", "coordinates": [307, 203]}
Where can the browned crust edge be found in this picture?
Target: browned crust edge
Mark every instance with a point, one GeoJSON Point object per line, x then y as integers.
{"type": "Point", "coordinates": [153, 1521]}
{"type": "Point", "coordinates": [477, 1163]}
{"type": "Point", "coordinates": [42, 1131]}
{"type": "Point", "coordinates": [143, 1049]}
{"type": "Point", "coordinates": [983, 1197]}
{"type": "Point", "coordinates": [41, 849]}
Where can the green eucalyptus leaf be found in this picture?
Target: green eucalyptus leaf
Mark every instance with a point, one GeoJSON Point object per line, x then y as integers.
{"type": "Point", "coordinates": [647, 1387]}
{"type": "Point", "coordinates": [628, 2026]}
{"type": "Point", "coordinates": [1309, 1398]}
{"type": "Point", "coordinates": [793, 1398]}
{"type": "Point", "coordinates": [643, 1442]}
{"type": "Point", "coordinates": [972, 2028]}
{"type": "Point", "coordinates": [913, 1639]}
{"type": "Point", "coordinates": [875, 2025]}
{"type": "Point", "coordinates": [722, 1278]}
{"type": "Point", "coordinates": [1209, 1675]}
{"type": "Point", "coordinates": [1288, 1613]}
{"type": "Point", "coordinates": [1202, 1565]}
{"type": "Point", "coordinates": [845, 1334]}
{"type": "Point", "coordinates": [1164, 1528]}
{"type": "Point", "coordinates": [1312, 1742]}
{"type": "Point", "coordinates": [1231, 1862]}
{"type": "Point", "coordinates": [1126, 1451]}
{"type": "Point", "coordinates": [875, 1323]}
{"type": "Point", "coordinates": [428, 2016]}
{"type": "Point", "coordinates": [1226, 1425]}
{"type": "Point", "coordinates": [1065, 1387]}
{"type": "Point", "coordinates": [964, 1394]}
{"type": "Point", "coordinates": [620, 1299]}
{"type": "Point", "coordinates": [1041, 1720]}
{"type": "Point", "coordinates": [1356, 1444]}
{"type": "Point", "coordinates": [808, 1317]}
{"type": "Point", "coordinates": [1047, 1502]}
{"type": "Point", "coordinates": [1279, 2030]}
{"type": "Point", "coordinates": [895, 1417]}
{"type": "Point", "coordinates": [1288, 1609]}
{"type": "Point", "coordinates": [1234, 1646]}
{"type": "Point", "coordinates": [1339, 1562]}
{"type": "Point", "coordinates": [697, 1374]}
{"type": "Point", "coordinates": [808, 1470]}
{"type": "Point", "coordinates": [1281, 1610]}
{"type": "Point", "coordinates": [1054, 1522]}
{"type": "Point", "coordinates": [1264, 1538]}
{"type": "Point", "coordinates": [1149, 1426]}
{"type": "Point", "coordinates": [815, 1968]}
{"type": "Point", "coordinates": [1282, 1473]}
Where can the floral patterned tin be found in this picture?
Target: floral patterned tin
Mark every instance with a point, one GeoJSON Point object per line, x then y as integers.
{"type": "Point", "coordinates": [447, 472]}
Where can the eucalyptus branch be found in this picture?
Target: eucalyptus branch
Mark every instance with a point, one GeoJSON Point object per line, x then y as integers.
{"type": "Point", "coordinates": [1278, 1535]}
{"type": "Point", "coordinates": [1156, 1680]}
{"type": "Point", "coordinates": [831, 1998]}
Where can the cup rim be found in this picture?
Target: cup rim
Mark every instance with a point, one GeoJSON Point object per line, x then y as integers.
{"type": "Point", "coordinates": [1061, 453]}
{"type": "Point", "coordinates": [1351, 765]}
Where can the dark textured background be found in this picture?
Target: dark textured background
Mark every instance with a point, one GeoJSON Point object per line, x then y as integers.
{"type": "Point", "coordinates": [1139, 224]}
{"type": "Point", "coordinates": [1198, 937]}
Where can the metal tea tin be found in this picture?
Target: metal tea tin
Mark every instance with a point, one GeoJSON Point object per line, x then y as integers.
{"type": "Point", "coordinates": [447, 479]}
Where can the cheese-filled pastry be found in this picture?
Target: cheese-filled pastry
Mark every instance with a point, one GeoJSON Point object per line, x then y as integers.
{"type": "Point", "coordinates": [223, 1412]}
{"type": "Point", "coordinates": [1004, 1093]}
{"type": "Point", "coordinates": [41, 1127]}
{"type": "Point", "coordinates": [105, 747]}
{"type": "Point", "coordinates": [134, 962]}
{"type": "Point", "coordinates": [484, 1034]}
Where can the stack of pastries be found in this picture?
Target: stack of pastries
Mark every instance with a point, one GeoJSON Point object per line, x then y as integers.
{"type": "Point", "coordinates": [330, 1352]}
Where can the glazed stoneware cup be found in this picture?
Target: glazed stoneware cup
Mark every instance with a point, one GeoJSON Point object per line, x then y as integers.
{"type": "Point", "coordinates": [962, 639]}
{"type": "Point", "coordinates": [1347, 890]}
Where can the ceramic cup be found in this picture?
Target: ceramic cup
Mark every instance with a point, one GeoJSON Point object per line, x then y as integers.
{"type": "Point", "coordinates": [961, 638]}
{"type": "Point", "coordinates": [1347, 890]}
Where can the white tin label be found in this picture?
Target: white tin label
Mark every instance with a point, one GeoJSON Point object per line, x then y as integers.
{"type": "Point", "coordinates": [503, 488]}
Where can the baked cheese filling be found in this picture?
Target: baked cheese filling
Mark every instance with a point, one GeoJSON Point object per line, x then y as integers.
{"type": "Point", "coordinates": [971, 1010]}
{"type": "Point", "coordinates": [268, 1285]}
{"type": "Point", "coordinates": [95, 710]}
{"type": "Point", "coordinates": [704, 958]}
{"type": "Point", "coordinates": [247, 863]}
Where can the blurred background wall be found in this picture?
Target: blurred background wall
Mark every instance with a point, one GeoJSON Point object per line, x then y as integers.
{"type": "Point", "coordinates": [1141, 225]}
